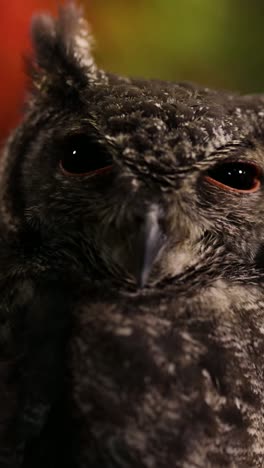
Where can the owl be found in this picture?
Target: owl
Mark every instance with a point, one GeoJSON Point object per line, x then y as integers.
{"type": "Point", "coordinates": [132, 268]}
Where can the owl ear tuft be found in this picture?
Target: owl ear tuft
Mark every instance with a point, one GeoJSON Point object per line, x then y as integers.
{"type": "Point", "coordinates": [62, 46]}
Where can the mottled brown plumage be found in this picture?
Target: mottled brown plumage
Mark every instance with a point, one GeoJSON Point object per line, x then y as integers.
{"type": "Point", "coordinates": [131, 251]}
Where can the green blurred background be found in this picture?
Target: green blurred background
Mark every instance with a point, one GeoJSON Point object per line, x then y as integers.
{"type": "Point", "coordinates": [215, 43]}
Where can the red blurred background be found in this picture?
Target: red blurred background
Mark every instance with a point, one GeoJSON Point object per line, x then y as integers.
{"type": "Point", "coordinates": [14, 42]}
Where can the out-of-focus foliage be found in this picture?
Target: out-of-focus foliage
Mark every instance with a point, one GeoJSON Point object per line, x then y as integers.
{"type": "Point", "coordinates": [217, 43]}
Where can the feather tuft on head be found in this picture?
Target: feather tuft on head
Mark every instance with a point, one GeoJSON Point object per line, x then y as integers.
{"type": "Point", "coordinates": [63, 46]}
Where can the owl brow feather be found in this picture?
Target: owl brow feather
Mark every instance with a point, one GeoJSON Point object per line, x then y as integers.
{"type": "Point", "coordinates": [156, 170]}
{"type": "Point", "coordinates": [232, 147]}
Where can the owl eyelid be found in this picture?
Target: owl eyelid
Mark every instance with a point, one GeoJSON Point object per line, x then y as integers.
{"type": "Point", "coordinates": [84, 156]}
{"type": "Point", "coordinates": [256, 176]}
{"type": "Point", "coordinates": [232, 189]}
{"type": "Point", "coordinates": [86, 174]}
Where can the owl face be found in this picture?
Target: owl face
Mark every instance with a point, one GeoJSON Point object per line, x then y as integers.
{"type": "Point", "coordinates": [138, 181]}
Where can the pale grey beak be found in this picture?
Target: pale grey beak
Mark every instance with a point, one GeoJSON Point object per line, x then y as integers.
{"type": "Point", "coordinates": [150, 241]}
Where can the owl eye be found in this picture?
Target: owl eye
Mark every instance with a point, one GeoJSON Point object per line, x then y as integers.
{"type": "Point", "coordinates": [83, 156]}
{"type": "Point", "coordinates": [238, 177]}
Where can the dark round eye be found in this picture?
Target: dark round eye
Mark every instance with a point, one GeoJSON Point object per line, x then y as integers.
{"type": "Point", "coordinates": [235, 176]}
{"type": "Point", "coordinates": [82, 155]}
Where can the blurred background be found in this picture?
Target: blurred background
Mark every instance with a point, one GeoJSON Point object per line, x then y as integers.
{"type": "Point", "coordinates": [215, 43]}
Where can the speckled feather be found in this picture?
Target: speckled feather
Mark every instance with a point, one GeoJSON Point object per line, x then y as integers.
{"type": "Point", "coordinates": [95, 371]}
{"type": "Point", "coordinates": [172, 382]}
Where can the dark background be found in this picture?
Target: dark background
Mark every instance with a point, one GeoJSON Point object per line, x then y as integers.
{"type": "Point", "coordinates": [218, 43]}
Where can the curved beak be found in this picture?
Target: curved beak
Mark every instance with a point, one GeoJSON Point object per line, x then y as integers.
{"type": "Point", "coordinates": [149, 243]}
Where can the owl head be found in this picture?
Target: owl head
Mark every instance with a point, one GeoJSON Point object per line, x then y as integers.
{"type": "Point", "coordinates": [131, 181]}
